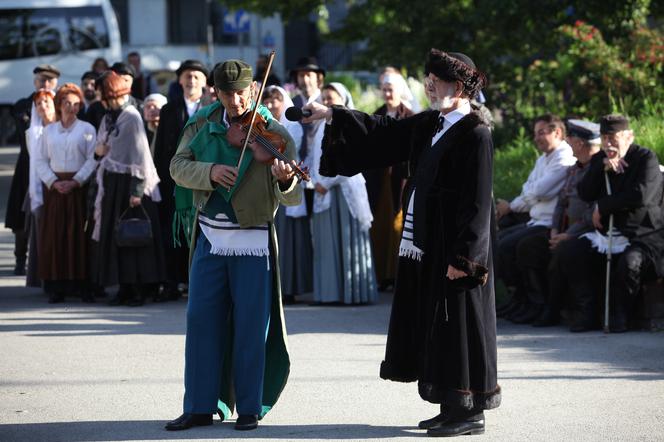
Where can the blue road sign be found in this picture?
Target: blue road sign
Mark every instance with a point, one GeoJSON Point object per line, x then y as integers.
{"type": "Point", "coordinates": [236, 22]}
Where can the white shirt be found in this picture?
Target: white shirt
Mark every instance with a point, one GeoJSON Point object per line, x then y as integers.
{"type": "Point", "coordinates": [69, 149]}
{"type": "Point", "coordinates": [540, 192]}
{"type": "Point", "coordinates": [192, 106]}
{"type": "Point", "coordinates": [451, 118]}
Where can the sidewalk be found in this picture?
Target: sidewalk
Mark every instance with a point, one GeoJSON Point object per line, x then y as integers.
{"type": "Point", "coordinates": [89, 372]}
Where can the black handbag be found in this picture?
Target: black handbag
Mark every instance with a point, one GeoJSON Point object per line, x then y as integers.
{"type": "Point", "coordinates": [133, 232]}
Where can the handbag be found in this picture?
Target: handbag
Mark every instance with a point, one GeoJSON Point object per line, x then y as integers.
{"type": "Point", "coordinates": [133, 232]}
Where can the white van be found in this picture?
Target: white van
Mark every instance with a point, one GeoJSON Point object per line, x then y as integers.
{"type": "Point", "coordinates": [68, 34]}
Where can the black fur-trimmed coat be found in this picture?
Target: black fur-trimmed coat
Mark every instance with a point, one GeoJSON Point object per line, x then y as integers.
{"type": "Point", "coordinates": [442, 333]}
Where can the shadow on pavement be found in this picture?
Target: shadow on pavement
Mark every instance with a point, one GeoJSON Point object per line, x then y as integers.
{"type": "Point", "coordinates": [153, 430]}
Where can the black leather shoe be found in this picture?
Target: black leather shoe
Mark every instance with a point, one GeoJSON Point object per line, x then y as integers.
{"type": "Point", "coordinates": [617, 323]}
{"type": "Point", "coordinates": [55, 298]}
{"type": "Point", "coordinates": [433, 422]}
{"type": "Point", "coordinates": [548, 318]}
{"type": "Point", "coordinates": [188, 420]}
{"type": "Point", "coordinates": [450, 429]}
{"type": "Point", "coordinates": [246, 422]}
{"type": "Point", "coordinates": [529, 315]}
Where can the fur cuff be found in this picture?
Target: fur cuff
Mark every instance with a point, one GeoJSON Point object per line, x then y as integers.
{"type": "Point", "coordinates": [465, 399]}
{"type": "Point", "coordinates": [473, 269]}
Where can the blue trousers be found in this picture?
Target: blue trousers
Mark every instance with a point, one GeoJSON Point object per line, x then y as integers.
{"type": "Point", "coordinates": [223, 289]}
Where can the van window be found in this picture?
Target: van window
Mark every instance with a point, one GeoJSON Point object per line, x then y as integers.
{"type": "Point", "coordinates": [28, 33]}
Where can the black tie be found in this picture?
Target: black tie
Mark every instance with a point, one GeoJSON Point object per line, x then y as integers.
{"type": "Point", "coordinates": [441, 124]}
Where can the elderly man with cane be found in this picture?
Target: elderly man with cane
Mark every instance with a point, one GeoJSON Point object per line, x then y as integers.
{"type": "Point", "coordinates": [626, 183]}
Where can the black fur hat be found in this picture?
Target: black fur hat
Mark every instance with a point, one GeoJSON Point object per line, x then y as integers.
{"type": "Point", "coordinates": [455, 66]}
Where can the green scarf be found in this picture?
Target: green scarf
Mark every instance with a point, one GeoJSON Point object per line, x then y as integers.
{"type": "Point", "coordinates": [208, 145]}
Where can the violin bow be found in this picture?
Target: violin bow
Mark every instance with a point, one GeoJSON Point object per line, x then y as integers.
{"type": "Point", "coordinates": [258, 100]}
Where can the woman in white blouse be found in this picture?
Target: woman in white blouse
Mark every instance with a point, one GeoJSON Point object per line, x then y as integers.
{"type": "Point", "coordinates": [64, 162]}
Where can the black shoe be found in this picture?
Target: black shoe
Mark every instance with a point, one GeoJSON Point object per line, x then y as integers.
{"type": "Point", "coordinates": [88, 297]}
{"type": "Point", "coordinates": [474, 425]}
{"type": "Point", "coordinates": [19, 268]}
{"type": "Point", "coordinates": [580, 325]}
{"type": "Point", "coordinates": [188, 420]}
{"type": "Point", "coordinates": [548, 318]}
{"type": "Point", "coordinates": [56, 298]}
{"type": "Point", "coordinates": [246, 422]}
{"type": "Point", "coordinates": [528, 315]}
{"type": "Point", "coordinates": [433, 422]}
{"type": "Point", "coordinates": [288, 300]}
{"type": "Point", "coordinates": [517, 311]}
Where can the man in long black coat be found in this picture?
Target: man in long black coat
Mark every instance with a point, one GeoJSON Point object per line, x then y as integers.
{"type": "Point", "coordinates": [192, 76]}
{"type": "Point", "coordinates": [443, 327]}
{"type": "Point", "coordinates": [45, 77]}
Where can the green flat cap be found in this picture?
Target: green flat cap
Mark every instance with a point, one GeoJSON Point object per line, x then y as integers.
{"type": "Point", "coordinates": [233, 75]}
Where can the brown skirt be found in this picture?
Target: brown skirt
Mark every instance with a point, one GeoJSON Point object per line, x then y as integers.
{"type": "Point", "coordinates": [62, 246]}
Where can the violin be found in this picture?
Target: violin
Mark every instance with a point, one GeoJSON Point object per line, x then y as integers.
{"type": "Point", "coordinates": [251, 131]}
{"type": "Point", "coordinates": [264, 145]}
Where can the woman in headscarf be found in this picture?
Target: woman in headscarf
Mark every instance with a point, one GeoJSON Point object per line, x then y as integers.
{"type": "Point", "coordinates": [43, 114]}
{"type": "Point", "coordinates": [385, 188]}
{"type": "Point", "coordinates": [292, 223]}
{"type": "Point", "coordinates": [127, 186]}
{"type": "Point", "coordinates": [64, 162]}
{"type": "Point", "coordinates": [343, 262]}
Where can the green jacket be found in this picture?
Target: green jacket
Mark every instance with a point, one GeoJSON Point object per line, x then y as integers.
{"type": "Point", "coordinates": [249, 209]}
{"type": "Point", "coordinates": [254, 202]}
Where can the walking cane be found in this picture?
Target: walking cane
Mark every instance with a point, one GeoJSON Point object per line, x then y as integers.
{"type": "Point", "coordinates": [608, 260]}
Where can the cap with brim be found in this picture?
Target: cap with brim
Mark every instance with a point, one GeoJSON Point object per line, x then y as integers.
{"type": "Point", "coordinates": [192, 65]}
{"type": "Point", "coordinates": [47, 70]}
{"type": "Point", "coordinates": [309, 64]}
{"type": "Point", "coordinates": [233, 75]}
{"type": "Point", "coordinates": [611, 124]}
{"type": "Point", "coordinates": [585, 130]}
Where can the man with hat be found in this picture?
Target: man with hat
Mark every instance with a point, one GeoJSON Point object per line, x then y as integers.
{"type": "Point", "coordinates": [571, 218]}
{"type": "Point", "coordinates": [442, 330]}
{"type": "Point", "coordinates": [45, 77]}
{"type": "Point", "coordinates": [236, 340]}
{"type": "Point", "coordinates": [624, 182]}
{"type": "Point", "coordinates": [192, 76]}
{"type": "Point", "coordinates": [309, 78]}
{"type": "Point", "coordinates": [88, 86]}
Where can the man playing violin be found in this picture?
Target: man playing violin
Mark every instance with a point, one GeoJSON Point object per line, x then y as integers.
{"type": "Point", "coordinates": [235, 347]}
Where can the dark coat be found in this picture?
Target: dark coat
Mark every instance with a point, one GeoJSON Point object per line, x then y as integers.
{"type": "Point", "coordinates": [635, 201]}
{"type": "Point", "coordinates": [442, 333]}
{"type": "Point", "coordinates": [15, 216]}
{"type": "Point", "coordinates": [172, 119]}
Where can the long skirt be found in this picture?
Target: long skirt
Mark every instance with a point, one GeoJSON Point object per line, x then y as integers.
{"type": "Point", "coordinates": [343, 263]}
{"type": "Point", "coordinates": [62, 254]}
{"type": "Point", "coordinates": [126, 265]}
{"type": "Point", "coordinates": [295, 253]}
{"type": "Point", "coordinates": [386, 233]}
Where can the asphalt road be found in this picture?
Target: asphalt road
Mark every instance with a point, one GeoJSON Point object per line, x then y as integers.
{"type": "Point", "coordinates": [82, 372]}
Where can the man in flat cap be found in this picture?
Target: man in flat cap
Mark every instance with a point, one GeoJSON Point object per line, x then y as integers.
{"type": "Point", "coordinates": [236, 342]}
{"type": "Point", "coordinates": [45, 77]}
{"type": "Point", "coordinates": [624, 182]}
{"type": "Point", "coordinates": [442, 330]}
{"type": "Point", "coordinates": [537, 255]}
{"type": "Point", "coordinates": [192, 77]}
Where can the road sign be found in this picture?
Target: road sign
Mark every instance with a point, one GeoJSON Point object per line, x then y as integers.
{"type": "Point", "coordinates": [236, 22]}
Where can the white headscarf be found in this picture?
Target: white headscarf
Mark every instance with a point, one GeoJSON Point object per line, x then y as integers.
{"type": "Point", "coordinates": [33, 138]}
{"type": "Point", "coordinates": [401, 88]}
{"type": "Point", "coordinates": [158, 98]}
{"type": "Point", "coordinates": [295, 130]}
{"type": "Point", "coordinates": [344, 94]}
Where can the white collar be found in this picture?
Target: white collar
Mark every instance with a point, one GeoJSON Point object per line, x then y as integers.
{"type": "Point", "coordinates": [457, 114]}
{"type": "Point", "coordinates": [313, 98]}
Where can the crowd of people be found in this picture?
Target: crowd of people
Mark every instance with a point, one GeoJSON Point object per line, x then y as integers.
{"type": "Point", "coordinates": [96, 153]}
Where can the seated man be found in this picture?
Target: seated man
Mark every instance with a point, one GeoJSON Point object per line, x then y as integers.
{"type": "Point", "coordinates": [625, 181]}
{"type": "Point", "coordinates": [572, 217]}
{"type": "Point", "coordinates": [538, 199]}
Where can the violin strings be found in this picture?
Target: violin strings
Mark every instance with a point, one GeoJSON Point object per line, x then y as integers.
{"type": "Point", "coordinates": [271, 149]}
